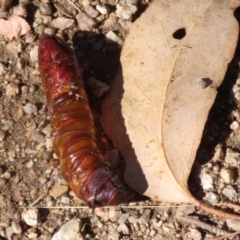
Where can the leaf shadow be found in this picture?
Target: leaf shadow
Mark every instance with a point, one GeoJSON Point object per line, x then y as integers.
{"type": "Point", "coordinates": [100, 58]}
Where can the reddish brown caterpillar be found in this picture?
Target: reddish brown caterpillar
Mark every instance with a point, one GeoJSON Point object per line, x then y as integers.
{"type": "Point", "coordinates": [73, 127]}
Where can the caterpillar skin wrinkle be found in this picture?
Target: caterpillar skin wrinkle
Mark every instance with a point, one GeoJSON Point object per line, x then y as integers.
{"type": "Point", "coordinates": [74, 136]}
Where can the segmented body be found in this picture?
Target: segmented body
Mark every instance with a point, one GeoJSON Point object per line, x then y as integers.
{"type": "Point", "coordinates": [73, 127]}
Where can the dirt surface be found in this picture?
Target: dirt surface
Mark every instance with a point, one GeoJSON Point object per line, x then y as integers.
{"type": "Point", "coordinates": [35, 201]}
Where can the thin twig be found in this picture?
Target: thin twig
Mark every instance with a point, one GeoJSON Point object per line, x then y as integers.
{"type": "Point", "coordinates": [205, 226]}
{"type": "Point", "coordinates": [230, 205]}
{"type": "Point", "coordinates": [225, 236]}
{"type": "Point", "coordinates": [37, 200]}
{"type": "Point", "coordinates": [85, 207]}
{"type": "Point", "coordinates": [74, 5]}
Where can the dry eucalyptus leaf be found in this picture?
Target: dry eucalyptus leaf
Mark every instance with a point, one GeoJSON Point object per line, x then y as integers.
{"type": "Point", "coordinates": [13, 27]}
{"type": "Point", "coordinates": [173, 61]}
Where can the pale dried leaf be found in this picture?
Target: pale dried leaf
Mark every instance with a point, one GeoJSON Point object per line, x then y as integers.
{"type": "Point", "coordinates": [13, 27]}
{"type": "Point", "coordinates": [156, 116]}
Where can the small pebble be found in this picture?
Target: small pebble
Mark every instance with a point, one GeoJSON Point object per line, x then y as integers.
{"type": "Point", "coordinates": [9, 232]}
{"type": "Point", "coordinates": [234, 126]}
{"type": "Point", "coordinates": [114, 214]}
{"type": "Point", "coordinates": [37, 137]}
{"type": "Point", "coordinates": [219, 153]}
{"type": "Point", "coordinates": [102, 9]}
{"type": "Point", "coordinates": [102, 213]}
{"type": "Point", "coordinates": [235, 225]}
{"type": "Point", "coordinates": [29, 38]}
{"type": "Point", "coordinates": [232, 157]}
{"type": "Point", "coordinates": [17, 229]}
{"type": "Point", "coordinates": [196, 234]}
{"type": "Point", "coordinates": [144, 219]}
{"type": "Point", "coordinates": [30, 216]}
{"type": "Point", "coordinates": [34, 54]}
{"type": "Point", "coordinates": [62, 23]}
{"type": "Point", "coordinates": [201, 83]}
{"type": "Point", "coordinates": [207, 181]}
{"type": "Point", "coordinates": [20, 10]}
{"type": "Point", "coordinates": [32, 235]}
{"type": "Point", "coordinates": [30, 108]}
{"type": "Point", "coordinates": [114, 37]}
{"type": "Point", "coordinates": [2, 135]}
{"type": "Point", "coordinates": [91, 11]}
{"type": "Point", "coordinates": [123, 229]}
{"type": "Point", "coordinates": [12, 90]}
{"type": "Point", "coordinates": [123, 218]}
{"type": "Point", "coordinates": [58, 190]}
{"type": "Point", "coordinates": [230, 193]}
{"type": "Point", "coordinates": [227, 175]}
{"type": "Point", "coordinates": [2, 69]}
{"type": "Point", "coordinates": [125, 11]}
{"type": "Point", "coordinates": [45, 8]}
{"type": "Point", "coordinates": [211, 198]}
{"type": "Point", "coordinates": [65, 200]}
{"type": "Point", "coordinates": [85, 22]}
{"type": "Point", "coordinates": [2, 182]}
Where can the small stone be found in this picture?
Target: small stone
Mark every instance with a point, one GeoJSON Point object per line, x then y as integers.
{"type": "Point", "coordinates": [20, 10]}
{"type": "Point", "coordinates": [234, 126]}
{"type": "Point", "coordinates": [85, 22]}
{"type": "Point", "coordinates": [102, 213]}
{"type": "Point", "coordinates": [9, 232]}
{"type": "Point", "coordinates": [34, 54]}
{"type": "Point", "coordinates": [50, 31]}
{"type": "Point", "coordinates": [62, 23]}
{"type": "Point", "coordinates": [47, 130]}
{"type": "Point", "coordinates": [219, 153]}
{"type": "Point", "coordinates": [65, 200]}
{"type": "Point", "coordinates": [152, 233]}
{"type": "Point", "coordinates": [32, 235]}
{"type": "Point", "coordinates": [196, 235]}
{"type": "Point", "coordinates": [207, 181]}
{"type": "Point", "coordinates": [230, 193]}
{"type": "Point", "coordinates": [232, 157]}
{"type": "Point", "coordinates": [30, 108]}
{"type": "Point", "coordinates": [125, 11]}
{"type": "Point", "coordinates": [2, 182]}
{"type": "Point", "coordinates": [45, 8]}
{"type": "Point", "coordinates": [58, 190]}
{"type": "Point", "coordinates": [144, 219]}
{"type": "Point", "coordinates": [227, 175]}
{"type": "Point", "coordinates": [114, 214]}
{"type": "Point", "coordinates": [16, 228]}
{"type": "Point", "coordinates": [91, 11]}
{"type": "Point", "coordinates": [2, 135]}
{"type": "Point", "coordinates": [211, 198]}
{"type": "Point", "coordinates": [2, 69]}
{"type": "Point", "coordinates": [30, 216]}
{"type": "Point", "coordinates": [235, 225]}
{"type": "Point", "coordinates": [123, 229]}
{"type": "Point", "coordinates": [29, 164]}
{"type": "Point", "coordinates": [201, 83]}
{"type": "Point", "coordinates": [7, 175]}
{"type": "Point", "coordinates": [114, 37]}
{"type": "Point", "coordinates": [123, 218]}
{"type": "Point", "coordinates": [29, 38]}
{"type": "Point", "coordinates": [39, 138]}
{"type": "Point", "coordinates": [102, 9]}
{"type": "Point", "coordinates": [12, 90]}
{"type": "Point", "coordinates": [86, 2]}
